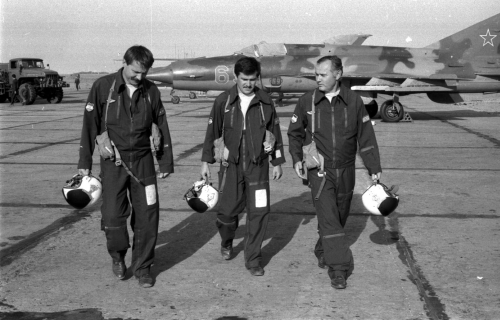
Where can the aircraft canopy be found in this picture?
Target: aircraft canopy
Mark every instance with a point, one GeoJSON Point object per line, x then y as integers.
{"type": "Point", "coordinates": [263, 49]}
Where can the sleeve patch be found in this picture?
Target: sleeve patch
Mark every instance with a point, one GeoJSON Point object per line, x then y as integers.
{"type": "Point", "coordinates": [89, 107]}
{"type": "Point", "coordinates": [277, 121]}
{"type": "Point", "coordinates": [210, 120]}
{"type": "Point", "coordinates": [162, 112]}
{"type": "Point", "coordinates": [366, 118]}
{"type": "Point", "coordinates": [278, 154]}
{"type": "Point", "coordinates": [294, 118]}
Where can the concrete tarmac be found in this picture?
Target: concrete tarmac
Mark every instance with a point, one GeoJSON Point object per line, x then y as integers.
{"type": "Point", "coordinates": [436, 257]}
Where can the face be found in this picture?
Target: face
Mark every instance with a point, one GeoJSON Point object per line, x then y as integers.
{"type": "Point", "coordinates": [134, 73]}
{"type": "Point", "coordinates": [326, 78]}
{"type": "Point", "coordinates": [246, 83]}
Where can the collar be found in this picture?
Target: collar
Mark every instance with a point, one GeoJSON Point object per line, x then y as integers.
{"type": "Point", "coordinates": [342, 94]}
{"type": "Point", "coordinates": [260, 95]}
{"type": "Point", "coordinates": [121, 85]}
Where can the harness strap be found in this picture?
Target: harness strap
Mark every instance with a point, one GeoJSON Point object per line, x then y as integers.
{"type": "Point", "coordinates": [119, 162]}
{"type": "Point", "coordinates": [313, 112]}
{"type": "Point", "coordinates": [321, 186]}
{"type": "Point", "coordinates": [223, 182]}
{"type": "Point", "coordinates": [107, 104]}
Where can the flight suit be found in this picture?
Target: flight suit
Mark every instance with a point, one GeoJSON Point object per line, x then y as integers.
{"type": "Point", "coordinates": [339, 127]}
{"type": "Point", "coordinates": [245, 180]}
{"type": "Point", "coordinates": [129, 121]}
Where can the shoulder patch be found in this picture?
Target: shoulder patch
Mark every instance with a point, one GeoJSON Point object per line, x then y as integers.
{"type": "Point", "coordinates": [162, 112]}
{"type": "Point", "coordinates": [366, 118]}
{"type": "Point", "coordinates": [277, 121]}
{"type": "Point", "coordinates": [294, 118]}
{"type": "Point", "coordinates": [210, 120]}
{"type": "Point", "coordinates": [89, 107]}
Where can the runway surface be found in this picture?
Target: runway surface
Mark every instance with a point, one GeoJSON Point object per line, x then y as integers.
{"type": "Point", "coordinates": [436, 257]}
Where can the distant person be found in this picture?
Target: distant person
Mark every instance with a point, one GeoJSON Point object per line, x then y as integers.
{"type": "Point", "coordinates": [244, 116]}
{"type": "Point", "coordinates": [14, 92]}
{"type": "Point", "coordinates": [124, 105]}
{"type": "Point", "coordinates": [340, 123]}
{"type": "Point", "coordinates": [77, 82]}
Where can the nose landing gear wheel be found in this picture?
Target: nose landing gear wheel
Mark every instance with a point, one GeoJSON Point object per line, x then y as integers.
{"type": "Point", "coordinates": [391, 112]}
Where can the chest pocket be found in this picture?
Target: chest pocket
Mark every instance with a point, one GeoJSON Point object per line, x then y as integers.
{"type": "Point", "coordinates": [349, 121]}
{"type": "Point", "coordinates": [114, 111]}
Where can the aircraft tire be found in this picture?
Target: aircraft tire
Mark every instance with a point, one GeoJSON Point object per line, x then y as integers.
{"type": "Point", "coordinates": [391, 112]}
{"type": "Point", "coordinates": [372, 108]}
{"type": "Point", "coordinates": [176, 99]}
{"type": "Point", "coordinates": [192, 95]}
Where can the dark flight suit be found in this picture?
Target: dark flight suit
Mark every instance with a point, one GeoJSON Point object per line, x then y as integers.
{"type": "Point", "coordinates": [13, 91]}
{"type": "Point", "coordinates": [340, 126]}
{"type": "Point", "coordinates": [247, 175]}
{"type": "Point", "coordinates": [129, 123]}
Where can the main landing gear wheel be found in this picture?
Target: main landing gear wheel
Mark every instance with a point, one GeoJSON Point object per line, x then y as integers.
{"type": "Point", "coordinates": [176, 99]}
{"type": "Point", "coordinates": [391, 112]}
{"type": "Point", "coordinates": [192, 95]}
{"type": "Point", "coordinates": [372, 108]}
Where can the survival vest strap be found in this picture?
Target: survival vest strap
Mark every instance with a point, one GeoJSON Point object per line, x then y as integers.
{"type": "Point", "coordinates": [220, 146]}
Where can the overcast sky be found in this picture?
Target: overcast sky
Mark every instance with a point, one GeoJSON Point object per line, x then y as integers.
{"type": "Point", "coordinates": [82, 35]}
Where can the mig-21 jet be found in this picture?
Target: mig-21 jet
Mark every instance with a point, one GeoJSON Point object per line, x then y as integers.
{"type": "Point", "coordinates": [465, 62]}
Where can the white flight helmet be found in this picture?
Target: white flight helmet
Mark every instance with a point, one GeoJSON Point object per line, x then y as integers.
{"type": "Point", "coordinates": [201, 196]}
{"type": "Point", "coordinates": [82, 191]}
{"type": "Point", "coordinates": [380, 200]}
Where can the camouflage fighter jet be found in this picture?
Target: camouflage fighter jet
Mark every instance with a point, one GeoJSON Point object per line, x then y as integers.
{"type": "Point", "coordinates": [465, 62]}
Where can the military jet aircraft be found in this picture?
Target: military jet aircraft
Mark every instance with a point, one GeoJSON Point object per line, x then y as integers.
{"type": "Point", "coordinates": [465, 62]}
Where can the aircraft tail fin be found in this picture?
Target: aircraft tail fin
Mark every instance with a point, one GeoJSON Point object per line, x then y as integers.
{"type": "Point", "coordinates": [482, 38]}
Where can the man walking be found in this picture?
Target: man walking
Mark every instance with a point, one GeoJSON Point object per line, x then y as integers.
{"type": "Point", "coordinates": [332, 118]}
{"type": "Point", "coordinates": [125, 106]}
{"type": "Point", "coordinates": [245, 118]}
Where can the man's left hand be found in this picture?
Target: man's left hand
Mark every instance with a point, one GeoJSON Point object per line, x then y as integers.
{"type": "Point", "coordinates": [277, 172]}
{"type": "Point", "coordinates": [163, 175]}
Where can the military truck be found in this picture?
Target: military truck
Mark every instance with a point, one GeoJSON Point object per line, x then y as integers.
{"type": "Point", "coordinates": [33, 79]}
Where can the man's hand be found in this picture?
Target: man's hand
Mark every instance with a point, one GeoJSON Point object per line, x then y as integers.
{"type": "Point", "coordinates": [298, 170]}
{"type": "Point", "coordinates": [277, 172]}
{"type": "Point", "coordinates": [163, 175]}
{"type": "Point", "coordinates": [376, 176]}
{"type": "Point", "coordinates": [84, 172]}
{"type": "Point", "coordinates": [205, 171]}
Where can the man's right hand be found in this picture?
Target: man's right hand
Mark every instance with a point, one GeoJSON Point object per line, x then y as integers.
{"type": "Point", "coordinates": [205, 171]}
{"type": "Point", "coordinates": [298, 170]}
{"type": "Point", "coordinates": [84, 172]}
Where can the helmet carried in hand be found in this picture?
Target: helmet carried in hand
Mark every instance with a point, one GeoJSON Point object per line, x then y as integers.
{"type": "Point", "coordinates": [201, 196]}
{"type": "Point", "coordinates": [82, 191]}
{"type": "Point", "coordinates": [380, 200]}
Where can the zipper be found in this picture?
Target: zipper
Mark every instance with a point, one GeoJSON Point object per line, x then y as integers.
{"type": "Point", "coordinates": [345, 116]}
{"type": "Point", "coordinates": [334, 142]}
{"type": "Point", "coordinates": [251, 139]}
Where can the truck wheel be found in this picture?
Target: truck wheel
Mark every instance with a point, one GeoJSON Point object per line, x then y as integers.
{"type": "Point", "coordinates": [27, 93]}
{"type": "Point", "coordinates": [57, 96]}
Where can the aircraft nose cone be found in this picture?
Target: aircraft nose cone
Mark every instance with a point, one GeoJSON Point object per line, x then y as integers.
{"type": "Point", "coordinates": [163, 74]}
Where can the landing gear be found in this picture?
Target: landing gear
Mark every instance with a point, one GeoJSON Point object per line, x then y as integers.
{"type": "Point", "coordinates": [192, 95]}
{"type": "Point", "coordinates": [372, 108]}
{"type": "Point", "coordinates": [391, 111]}
{"type": "Point", "coordinates": [176, 99]}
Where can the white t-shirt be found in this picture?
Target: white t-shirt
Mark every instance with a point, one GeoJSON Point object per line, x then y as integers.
{"type": "Point", "coordinates": [130, 90]}
{"type": "Point", "coordinates": [245, 103]}
{"type": "Point", "coordinates": [331, 95]}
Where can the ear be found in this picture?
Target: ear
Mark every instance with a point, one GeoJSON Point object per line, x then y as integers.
{"type": "Point", "coordinates": [339, 75]}
{"type": "Point", "coordinates": [124, 63]}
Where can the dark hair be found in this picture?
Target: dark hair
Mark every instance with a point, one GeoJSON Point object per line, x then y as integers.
{"type": "Point", "coordinates": [247, 65]}
{"type": "Point", "coordinates": [140, 54]}
{"type": "Point", "coordinates": [336, 62]}
{"type": "Point", "coordinates": [14, 76]}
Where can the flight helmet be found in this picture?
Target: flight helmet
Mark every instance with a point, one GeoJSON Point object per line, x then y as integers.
{"type": "Point", "coordinates": [380, 200]}
{"type": "Point", "coordinates": [201, 196]}
{"type": "Point", "coordinates": [82, 191]}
